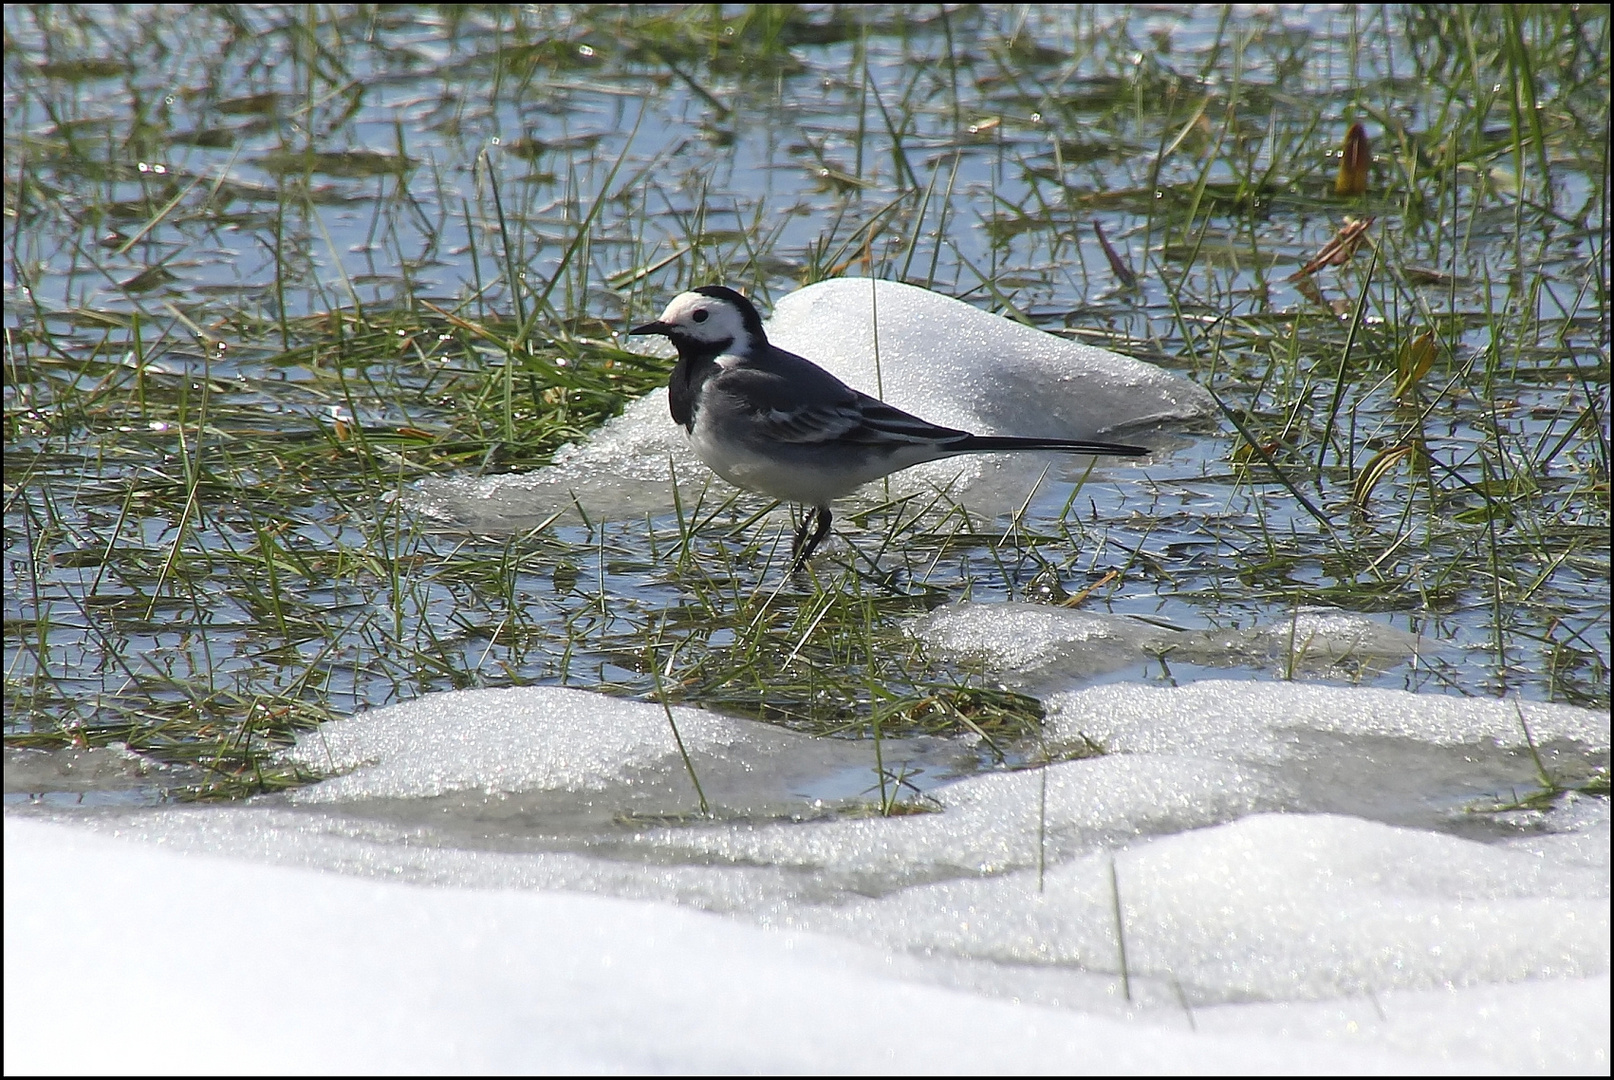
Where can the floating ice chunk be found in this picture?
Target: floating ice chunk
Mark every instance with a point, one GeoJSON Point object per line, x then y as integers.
{"type": "Point", "coordinates": [940, 358]}
{"type": "Point", "coordinates": [1315, 633]}
{"type": "Point", "coordinates": [1041, 642]}
{"type": "Point", "coordinates": [89, 770]}
{"type": "Point", "coordinates": [1037, 638]}
{"type": "Point", "coordinates": [1256, 721]}
{"type": "Point", "coordinates": [520, 739]}
{"type": "Point", "coordinates": [1312, 641]}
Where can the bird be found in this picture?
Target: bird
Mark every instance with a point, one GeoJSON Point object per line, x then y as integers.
{"type": "Point", "coordinates": [775, 423]}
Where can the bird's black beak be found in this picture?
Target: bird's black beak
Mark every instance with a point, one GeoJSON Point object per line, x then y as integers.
{"type": "Point", "coordinates": [652, 328]}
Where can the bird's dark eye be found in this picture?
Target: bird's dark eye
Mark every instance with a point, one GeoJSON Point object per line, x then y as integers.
{"type": "Point", "coordinates": [701, 315]}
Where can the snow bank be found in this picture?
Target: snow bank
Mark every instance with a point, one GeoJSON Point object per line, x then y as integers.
{"type": "Point", "coordinates": [333, 974]}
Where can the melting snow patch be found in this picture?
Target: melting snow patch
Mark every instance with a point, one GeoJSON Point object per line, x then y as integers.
{"type": "Point", "coordinates": [1039, 642]}
{"type": "Point", "coordinates": [1270, 907]}
{"type": "Point", "coordinates": [523, 739]}
{"type": "Point", "coordinates": [991, 823]}
{"type": "Point", "coordinates": [1253, 721]}
{"type": "Point", "coordinates": [1027, 884]}
{"type": "Point", "coordinates": [955, 364]}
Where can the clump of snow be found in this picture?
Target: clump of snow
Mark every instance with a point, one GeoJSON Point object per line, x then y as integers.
{"type": "Point", "coordinates": [1255, 721]}
{"type": "Point", "coordinates": [954, 364]}
{"type": "Point", "coordinates": [518, 739]}
{"type": "Point", "coordinates": [1031, 638]}
{"type": "Point", "coordinates": [938, 357]}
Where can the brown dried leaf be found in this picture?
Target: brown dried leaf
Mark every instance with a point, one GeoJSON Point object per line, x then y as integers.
{"type": "Point", "coordinates": [1338, 251]}
{"type": "Point", "coordinates": [1354, 159]}
{"type": "Point", "coordinates": [1377, 470]}
{"type": "Point", "coordinates": [1120, 269]}
{"type": "Point", "coordinates": [1413, 361]}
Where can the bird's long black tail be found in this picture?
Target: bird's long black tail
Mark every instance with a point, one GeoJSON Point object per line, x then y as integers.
{"type": "Point", "coordinates": [990, 444]}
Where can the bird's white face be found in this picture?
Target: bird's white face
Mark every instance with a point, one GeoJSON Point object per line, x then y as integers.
{"type": "Point", "coordinates": [706, 320]}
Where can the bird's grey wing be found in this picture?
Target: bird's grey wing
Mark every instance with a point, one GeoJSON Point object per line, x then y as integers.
{"type": "Point", "coordinates": [810, 406]}
{"type": "Point", "coordinates": [882, 423]}
{"type": "Point", "coordinates": [790, 409]}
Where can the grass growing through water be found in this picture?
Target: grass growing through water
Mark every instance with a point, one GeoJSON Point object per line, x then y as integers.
{"type": "Point", "coordinates": [245, 320]}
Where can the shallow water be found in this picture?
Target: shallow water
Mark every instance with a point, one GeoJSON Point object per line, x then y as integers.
{"type": "Point", "coordinates": [972, 151]}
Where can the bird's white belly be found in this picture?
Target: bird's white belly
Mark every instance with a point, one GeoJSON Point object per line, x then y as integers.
{"type": "Point", "coordinates": [793, 473]}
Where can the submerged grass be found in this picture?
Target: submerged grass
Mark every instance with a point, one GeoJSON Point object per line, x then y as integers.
{"type": "Point", "coordinates": [245, 317]}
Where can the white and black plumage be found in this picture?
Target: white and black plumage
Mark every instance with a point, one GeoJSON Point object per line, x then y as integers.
{"type": "Point", "coordinates": [773, 422]}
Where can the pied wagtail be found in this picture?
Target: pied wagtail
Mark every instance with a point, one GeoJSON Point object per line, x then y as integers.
{"type": "Point", "coordinates": [773, 422]}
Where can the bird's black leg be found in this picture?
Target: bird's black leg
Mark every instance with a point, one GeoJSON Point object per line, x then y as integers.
{"type": "Point", "coordinates": [801, 538]}
{"type": "Point", "coordinates": [805, 545]}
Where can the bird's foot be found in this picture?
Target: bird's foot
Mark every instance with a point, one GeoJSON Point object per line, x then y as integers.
{"type": "Point", "coordinates": [805, 545]}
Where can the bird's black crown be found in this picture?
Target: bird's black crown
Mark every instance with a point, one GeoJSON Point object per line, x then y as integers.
{"type": "Point", "coordinates": [747, 310]}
